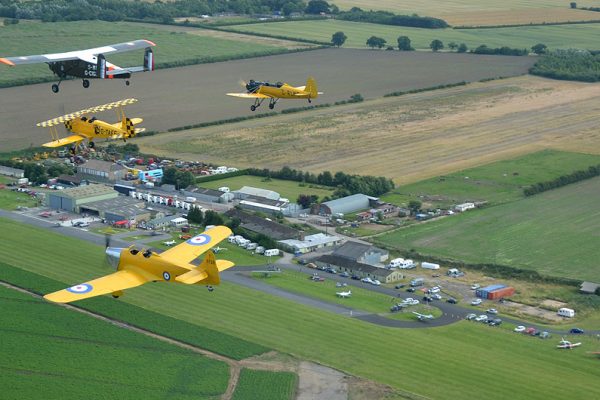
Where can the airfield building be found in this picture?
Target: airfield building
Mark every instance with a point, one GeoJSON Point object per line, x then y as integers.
{"type": "Point", "coordinates": [247, 191]}
{"type": "Point", "coordinates": [14, 172]}
{"type": "Point", "coordinates": [256, 224]}
{"type": "Point", "coordinates": [118, 209]}
{"type": "Point", "coordinates": [361, 270]}
{"type": "Point", "coordinates": [309, 243]}
{"type": "Point", "coordinates": [208, 195]}
{"type": "Point", "coordinates": [102, 171]}
{"type": "Point", "coordinates": [72, 199]}
{"type": "Point", "coordinates": [362, 253]}
{"type": "Point", "coordinates": [344, 205]}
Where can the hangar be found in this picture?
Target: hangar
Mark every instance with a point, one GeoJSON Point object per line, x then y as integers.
{"type": "Point", "coordinates": [118, 209]}
{"type": "Point", "coordinates": [344, 205]}
{"type": "Point", "coordinates": [72, 199]}
{"type": "Point", "coordinates": [310, 243]}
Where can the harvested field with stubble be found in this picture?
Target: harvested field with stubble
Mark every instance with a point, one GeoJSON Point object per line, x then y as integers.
{"type": "Point", "coordinates": [408, 138]}
{"type": "Point", "coordinates": [178, 97]}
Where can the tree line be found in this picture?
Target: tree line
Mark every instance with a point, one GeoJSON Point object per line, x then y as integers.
{"type": "Point", "coordinates": [346, 184]}
{"type": "Point", "coordinates": [563, 180]}
{"type": "Point", "coordinates": [387, 18]}
{"type": "Point", "coordinates": [37, 173]}
{"type": "Point", "coordinates": [571, 64]}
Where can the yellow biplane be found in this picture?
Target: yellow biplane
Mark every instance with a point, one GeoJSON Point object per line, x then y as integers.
{"type": "Point", "coordinates": [92, 128]}
{"type": "Point", "coordinates": [259, 91]}
{"type": "Point", "coordinates": [136, 267]}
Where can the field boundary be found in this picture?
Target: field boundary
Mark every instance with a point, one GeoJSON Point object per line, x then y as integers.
{"type": "Point", "coordinates": [466, 27]}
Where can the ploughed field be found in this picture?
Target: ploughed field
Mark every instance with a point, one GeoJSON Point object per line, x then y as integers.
{"type": "Point", "coordinates": [189, 95]}
{"type": "Point", "coordinates": [464, 352]}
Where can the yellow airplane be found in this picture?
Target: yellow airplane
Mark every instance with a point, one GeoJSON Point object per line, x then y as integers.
{"type": "Point", "coordinates": [136, 267]}
{"type": "Point", "coordinates": [259, 91]}
{"type": "Point", "coordinates": [92, 128]}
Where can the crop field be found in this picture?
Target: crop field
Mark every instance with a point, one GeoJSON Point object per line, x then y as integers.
{"type": "Point", "coordinates": [477, 13]}
{"type": "Point", "coordinates": [171, 45]}
{"type": "Point", "coordinates": [265, 385]}
{"type": "Point", "coordinates": [287, 189]}
{"type": "Point", "coordinates": [552, 233]}
{"type": "Point", "coordinates": [407, 138]}
{"type": "Point", "coordinates": [495, 183]}
{"type": "Point", "coordinates": [583, 36]}
{"type": "Point", "coordinates": [361, 299]}
{"type": "Point", "coordinates": [462, 351]}
{"type": "Point", "coordinates": [195, 94]}
{"type": "Point", "coordinates": [52, 352]}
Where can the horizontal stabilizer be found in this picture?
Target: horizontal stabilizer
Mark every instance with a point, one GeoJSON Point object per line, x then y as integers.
{"type": "Point", "coordinates": [191, 277]}
{"type": "Point", "coordinates": [64, 141]}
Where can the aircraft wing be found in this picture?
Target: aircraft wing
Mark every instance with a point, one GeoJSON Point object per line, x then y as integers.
{"type": "Point", "coordinates": [186, 252]}
{"type": "Point", "coordinates": [120, 280]}
{"type": "Point", "coordinates": [78, 54]}
{"type": "Point", "coordinates": [249, 95]}
{"type": "Point", "coordinates": [64, 141]}
{"type": "Point", "coordinates": [91, 110]}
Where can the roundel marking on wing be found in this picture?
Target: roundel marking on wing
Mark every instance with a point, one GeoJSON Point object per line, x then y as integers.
{"type": "Point", "coordinates": [80, 289]}
{"type": "Point", "coordinates": [166, 276]}
{"type": "Point", "coordinates": [199, 240]}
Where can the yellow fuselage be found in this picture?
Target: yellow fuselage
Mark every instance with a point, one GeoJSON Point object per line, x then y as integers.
{"type": "Point", "coordinates": [284, 92]}
{"type": "Point", "coordinates": [95, 129]}
{"type": "Point", "coordinates": [152, 265]}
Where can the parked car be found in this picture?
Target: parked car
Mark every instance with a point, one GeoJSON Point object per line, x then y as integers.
{"type": "Point", "coordinates": [411, 289]}
{"type": "Point", "coordinates": [520, 329]}
{"type": "Point", "coordinates": [376, 282]}
{"type": "Point", "coordinates": [481, 318]}
{"type": "Point", "coordinates": [491, 311]}
{"type": "Point", "coordinates": [530, 331]}
{"type": "Point", "coordinates": [355, 277]}
{"type": "Point", "coordinates": [427, 298]}
{"type": "Point", "coordinates": [544, 335]}
{"type": "Point", "coordinates": [367, 280]}
{"type": "Point", "coordinates": [576, 331]}
{"type": "Point", "coordinates": [345, 274]}
{"type": "Point", "coordinates": [399, 286]}
{"type": "Point", "coordinates": [471, 316]}
{"type": "Point", "coordinates": [495, 322]}
{"type": "Point", "coordinates": [436, 296]}
{"type": "Point", "coordinates": [452, 300]}
{"type": "Point", "coordinates": [475, 286]}
{"type": "Point", "coordinates": [476, 302]}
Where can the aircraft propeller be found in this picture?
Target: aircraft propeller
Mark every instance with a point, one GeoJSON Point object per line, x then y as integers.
{"type": "Point", "coordinates": [106, 241]}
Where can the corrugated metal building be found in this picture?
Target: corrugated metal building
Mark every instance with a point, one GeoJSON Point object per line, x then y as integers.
{"type": "Point", "coordinates": [247, 191]}
{"type": "Point", "coordinates": [344, 205]}
{"type": "Point", "coordinates": [118, 209]}
{"type": "Point", "coordinates": [9, 171]}
{"type": "Point", "coordinates": [71, 199]}
{"type": "Point", "coordinates": [310, 243]}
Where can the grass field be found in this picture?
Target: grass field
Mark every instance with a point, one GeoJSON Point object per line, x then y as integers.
{"type": "Point", "coordinates": [408, 138]}
{"type": "Point", "coordinates": [552, 233]}
{"type": "Point", "coordinates": [462, 351]}
{"type": "Point", "coordinates": [498, 182]}
{"type": "Point", "coordinates": [583, 36]}
{"type": "Point", "coordinates": [265, 385]}
{"type": "Point", "coordinates": [9, 200]}
{"type": "Point", "coordinates": [476, 13]}
{"type": "Point", "coordinates": [52, 352]}
{"type": "Point", "coordinates": [361, 299]}
{"type": "Point", "coordinates": [171, 46]}
{"type": "Point", "coordinates": [287, 189]}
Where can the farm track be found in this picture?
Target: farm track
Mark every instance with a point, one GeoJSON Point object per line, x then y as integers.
{"type": "Point", "coordinates": [176, 97]}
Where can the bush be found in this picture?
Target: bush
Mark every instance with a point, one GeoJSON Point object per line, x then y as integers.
{"type": "Point", "coordinates": [572, 64]}
{"type": "Point", "coordinates": [501, 51]}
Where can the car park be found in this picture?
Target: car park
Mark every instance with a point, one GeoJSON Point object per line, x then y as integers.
{"type": "Point", "coordinates": [491, 311]}
{"type": "Point", "coordinates": [520, 329]}
{"type": "Point", "coordinates": [576, 331]}
{"type": "Point", "coordinates": [476, 302]}
{"type": "Point", "coordinates": [471, 316]}
{"type": "Point", "coordinates": [452, 300]}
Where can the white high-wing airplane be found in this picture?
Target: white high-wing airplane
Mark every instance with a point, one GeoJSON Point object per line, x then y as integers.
{"type": "Point", "coordinates": [423, 317]}
{"type": "Point", "coordinates": [344, 295]}
{"type": "Point", "coordinates": [89, 63]}
{"type": "Point", "coordinates": [169, 243]}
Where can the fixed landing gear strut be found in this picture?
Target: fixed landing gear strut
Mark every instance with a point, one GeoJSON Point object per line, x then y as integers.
{"type": "Point", "coordinates": [56, 86]}
{"type": "Point", "coordinates": [257, 103]}
{"type": "Point", "coordinates": [272, 103]}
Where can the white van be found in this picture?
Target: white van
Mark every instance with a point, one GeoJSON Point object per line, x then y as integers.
{"type": "Point", "coordinates": [566, 312]}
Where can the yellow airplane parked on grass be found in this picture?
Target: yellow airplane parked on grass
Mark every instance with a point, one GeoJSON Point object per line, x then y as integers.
{"type": "Point", "coordinates": [136, 267]}
{"type": "Point", "coordinates": [92, 128]}
{"type": "Point", "coordinates": [259, 91]}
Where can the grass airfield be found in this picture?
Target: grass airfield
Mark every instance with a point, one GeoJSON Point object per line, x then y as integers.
{"type": "Point", "coordinates": [457, 355]}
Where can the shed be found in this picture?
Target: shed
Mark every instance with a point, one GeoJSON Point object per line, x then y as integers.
{"type": "Point", "coordinates": [589, 287]}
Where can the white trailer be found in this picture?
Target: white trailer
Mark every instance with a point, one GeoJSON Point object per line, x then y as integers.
{"type": "Point", "coordinates": [566, 312]}
{"type": "Point", "coordinates": [251, 246]}
{"type": "Point", "coordinates": [271, 252]}
{"type": "Point", "coordinates": [428, 265]}
{"type": "Point", "coordinates": [396, 262]}
{"type": "Point", "coordinates": [259, 250]}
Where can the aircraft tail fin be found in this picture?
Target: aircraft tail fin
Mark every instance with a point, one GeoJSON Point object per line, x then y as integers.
{"type": "Point", "coordinates": [149, 60]}
{"type": "Point", "coordinates": [311, 88]}
{"type": "Point", "coordinates": [209, 264]}
{"type": "Point", "coordinates": [128, 126]}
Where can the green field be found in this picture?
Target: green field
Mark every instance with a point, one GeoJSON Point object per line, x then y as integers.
{"type": "Point", "coordinates": [554, 233]}
{"type": "Point", "coordinates": [361, 299]}
{"type": "Point", "coordinates": [583, 36]}
{"type": "Point", "coordinates": [462, 353]}
{"type": "Point", "coordinates": [9, 200]}
{"type": "Point", "coordinates": [498, 182]}
{"type": "Point", "coordinates": [287, 189]}
{"type": "Point", "coordinates": [265, 385]}
{"type": "Point", "coordinates": [50, 352]}
{"type": "Point", "coordinates": [171, 47]}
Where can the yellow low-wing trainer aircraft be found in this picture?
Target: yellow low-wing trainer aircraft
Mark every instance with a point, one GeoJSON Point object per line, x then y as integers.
{"type": "Point", "coordinates": [89, 63]}
{"type": "Point", "coordinates": [136, 267]}
{"type": "Point", "coordinates": [92, 128]}
{"type": "Point", "coordinates": [259, 91]}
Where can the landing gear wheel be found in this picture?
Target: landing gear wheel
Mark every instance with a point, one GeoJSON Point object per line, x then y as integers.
{"type": "Point", "coordinates": [253, 107]}
{"type": "Point", "coordinates": [210, 288]}
{"type": "Point", "coordinates": [309, 100]}
{"type": "Point", "coordinates": [55, 88]}
{"type": "Point", "coordinates": [86, 83]}
{"type": "Point", "coordinates": [91, 145]}
{"type": "Point", "coordinates": [271, 106]}
{"type": "Point", "coordinates": [126, 83]}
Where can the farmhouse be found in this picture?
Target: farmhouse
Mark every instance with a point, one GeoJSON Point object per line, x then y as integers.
{"type": "Point", "coordinates": [358, 269]}
{"type": "Point", "coordinates": [344, 205]}
{"type": "Point", "coordinates": [72, 199]}
{"type": "Point", "coordinates": [102, 171]}
{"type": "Point", "coordinates": [309, 243]}
{"type": "Point", "coordinates": [362, 253]}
